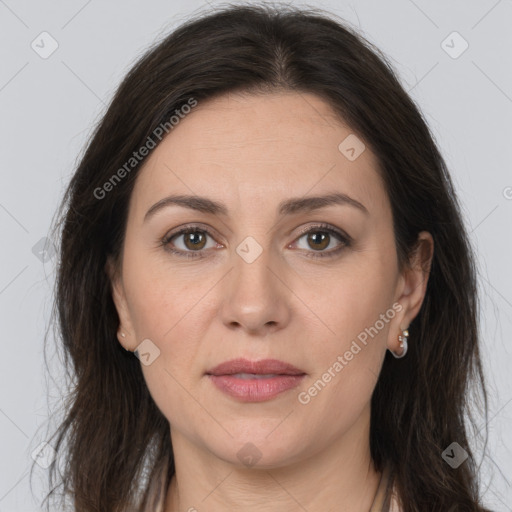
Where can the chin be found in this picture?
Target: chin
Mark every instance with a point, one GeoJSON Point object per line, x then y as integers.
{"type": "Point", "coordinates": [258, 448]}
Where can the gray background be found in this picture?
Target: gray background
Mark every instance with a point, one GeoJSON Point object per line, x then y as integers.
{"type": "Point", "coordinates": [48, 107]}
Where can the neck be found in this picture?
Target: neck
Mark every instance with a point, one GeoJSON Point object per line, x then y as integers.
{"type": "Point", "coordinates": [341, 477]}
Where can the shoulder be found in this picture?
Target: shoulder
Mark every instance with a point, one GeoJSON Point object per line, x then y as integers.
{"type": "Point", "coordinates": [156, 493]}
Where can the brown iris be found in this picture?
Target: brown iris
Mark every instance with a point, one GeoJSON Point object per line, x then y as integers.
{"type": "Point", "coordinates": [318, 237]}
{"type": "Point", "coordinates": [196, 239]}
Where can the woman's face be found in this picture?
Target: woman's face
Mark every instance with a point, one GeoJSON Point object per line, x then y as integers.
{"type": "Point", "coordinates": [248, 281]}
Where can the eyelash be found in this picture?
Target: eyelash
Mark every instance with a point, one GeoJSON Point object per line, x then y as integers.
{"type": "Point", "coordinates": [345, 240]}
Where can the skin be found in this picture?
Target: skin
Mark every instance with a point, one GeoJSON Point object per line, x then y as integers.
{"type": "Point", "coordinates": [251, 152]}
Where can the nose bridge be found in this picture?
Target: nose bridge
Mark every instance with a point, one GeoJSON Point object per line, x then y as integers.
{"type": "Point", "coordinates": [256, 298]}
{"type": "Point", "coordinates": [253, 278]}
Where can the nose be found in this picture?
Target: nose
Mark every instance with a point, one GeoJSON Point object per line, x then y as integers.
{"type": "Point", "coordinates": [256, 297]}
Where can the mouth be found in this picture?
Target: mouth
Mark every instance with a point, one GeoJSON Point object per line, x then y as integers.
{"type": "Point", "coordinates": [255, 381]}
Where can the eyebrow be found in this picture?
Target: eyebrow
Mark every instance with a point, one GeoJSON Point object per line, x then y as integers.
{"type": "Point", "coordinates": [288, 207]}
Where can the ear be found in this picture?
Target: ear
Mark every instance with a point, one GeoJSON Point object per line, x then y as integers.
{"type": "Point", "coordinates": [119, 298]}
{"type": "Point", "coordinates": [412, 287]}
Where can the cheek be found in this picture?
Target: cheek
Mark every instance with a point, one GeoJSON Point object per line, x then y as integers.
{"type": "Point", "coordinates": [347, 367]}
{"type": "Point", "coordinates": [158, 297]}
{"type": "Point", "coordinates": [163, 309]}
{"type": "Point", "coordinates": [356, 296]}
{"type": "Point", "coordinates": [358, 310]}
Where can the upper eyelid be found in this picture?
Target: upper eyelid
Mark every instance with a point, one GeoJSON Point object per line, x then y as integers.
{"type": "Point", "coordinates": [324, 227]}
{"type": "Point", "coordinates": [192, 227]}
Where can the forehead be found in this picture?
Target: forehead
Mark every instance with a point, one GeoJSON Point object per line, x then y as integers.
{"type": "Point", "coordinates": [253, 146]}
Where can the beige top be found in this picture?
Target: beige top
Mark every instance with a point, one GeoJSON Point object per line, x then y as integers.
{"type": "Point", "coordinates": [385, 498]}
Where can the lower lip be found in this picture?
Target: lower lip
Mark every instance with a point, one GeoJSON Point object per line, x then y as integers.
{"type": "Point", "coordinates": [255, 390]}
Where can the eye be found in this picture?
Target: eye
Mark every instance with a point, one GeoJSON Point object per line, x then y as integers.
{"type": "Point", "coordinates": [318, 238]}
{"type": "Point", "coordinates": [188, 242]}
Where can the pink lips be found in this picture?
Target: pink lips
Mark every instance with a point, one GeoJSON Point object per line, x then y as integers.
{"type": "Point", "coordinates": [255, 381]}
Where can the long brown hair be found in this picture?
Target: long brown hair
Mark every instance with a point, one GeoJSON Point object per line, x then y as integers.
{"type": "Point", "coordinates": [113, 437]}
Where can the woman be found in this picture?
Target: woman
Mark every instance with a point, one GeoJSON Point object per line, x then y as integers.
{"type": "Point", "coordinates": [263, 222]}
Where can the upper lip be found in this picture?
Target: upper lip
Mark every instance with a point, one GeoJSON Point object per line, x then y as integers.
{"type": "Point", "coordinates": [262, 367]}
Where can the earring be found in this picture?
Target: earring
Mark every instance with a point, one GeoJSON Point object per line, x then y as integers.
{"type": "Point", "coordinates": [123, 335]}
{"type": "Point", "coordinates": [403, 344]}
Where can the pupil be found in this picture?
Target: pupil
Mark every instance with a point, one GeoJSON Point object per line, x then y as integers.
{"type": "Point", "coordinates": [194, 238]}
{"type": "Point", "coordinates": [323, 237]}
